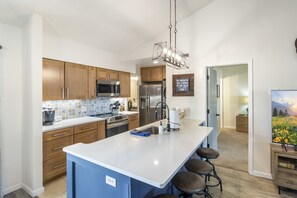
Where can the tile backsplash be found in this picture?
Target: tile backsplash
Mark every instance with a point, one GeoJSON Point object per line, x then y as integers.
{"type": "Point", "coordinates": [67, 109]}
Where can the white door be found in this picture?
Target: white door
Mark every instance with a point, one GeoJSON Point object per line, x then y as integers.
{"type": "Point", "coordinates": [212, 107]}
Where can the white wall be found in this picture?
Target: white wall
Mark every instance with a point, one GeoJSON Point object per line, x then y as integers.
{"type": "Point", "coordinates": [32, 106]}
{"type": "Point", "coordinates": [59, 48]}
{"type": "Point", "coordinates": [11, 107]}
{"type": "Point", "coordinates": [235, 88]}
{"type": "Point", "coordinates": [232, 31]}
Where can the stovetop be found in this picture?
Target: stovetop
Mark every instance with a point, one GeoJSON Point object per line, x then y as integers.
{"type": "Point", "coordinates": [111, 117]}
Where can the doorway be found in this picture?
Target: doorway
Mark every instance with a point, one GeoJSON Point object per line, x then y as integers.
{"type": "Point", "coordinates": [229, 107]}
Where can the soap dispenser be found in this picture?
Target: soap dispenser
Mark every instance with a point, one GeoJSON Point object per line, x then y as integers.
{"type": "Point", "coordinates": [161, 129]}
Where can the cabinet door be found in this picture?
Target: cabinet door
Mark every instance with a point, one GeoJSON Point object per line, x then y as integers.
{"type": "Point", "coordinates": [125, 84]}
{"type": "Point", "coordinates": [102, 74]}
{"type": "Point", "coordinates": [101, 130]}
{"type": "Point", "coordinates": [145, 74]}
{"type": "Point", "coordinates": [113, 75]}
{"type": "Point", "coordinates": [52, 80]}
{"type": "Point", "coordinates": [133, 121]}
{"type": "Point", "coordinates": [85, 137]}
{"type": "Point", "coordinates": [156, 74]}
{"type": "Point", "coordinates": [76, 81]}
{"type": "Point", "coordinates": [92, 82]}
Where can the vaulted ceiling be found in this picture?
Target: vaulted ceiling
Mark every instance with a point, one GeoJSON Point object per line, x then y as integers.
{"type": "Point", "coordinates": [114, 25]}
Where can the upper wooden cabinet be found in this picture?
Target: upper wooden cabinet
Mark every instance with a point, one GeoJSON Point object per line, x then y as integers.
{"type": "Point", "coordinates": [92, 82]}
{"type": "Point", "coordinates": [76, 81]}
{"type": "Point", "coordinates": [53, 80]}
{"type": "Point", "coordinates": [153, 74]}
{"type": "Point", "coordinates": [125, 84]}
{"type": "Point", "coordinates": [107, 74]}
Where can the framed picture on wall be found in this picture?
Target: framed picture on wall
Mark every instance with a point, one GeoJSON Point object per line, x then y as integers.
{"type": "Point", "coordinates": [183, 85]}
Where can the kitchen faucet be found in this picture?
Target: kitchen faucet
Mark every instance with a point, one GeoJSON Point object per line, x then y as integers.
{"type": "Point", "coordinates": [156, 113]}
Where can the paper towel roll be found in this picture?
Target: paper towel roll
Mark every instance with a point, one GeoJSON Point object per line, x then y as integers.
{"type": "Point", "coordinates": [174, 119]}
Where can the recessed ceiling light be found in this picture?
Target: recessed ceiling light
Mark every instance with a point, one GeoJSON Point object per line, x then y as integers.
{"type": "Point", "coordinates": [155, 61]}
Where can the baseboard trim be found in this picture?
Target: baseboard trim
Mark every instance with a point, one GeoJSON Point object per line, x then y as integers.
{"type": "Point", "coordinates": [11, 189]}
{"type": "Point", "coordinates": [33, 193]}
{"type": "Point", "coordinates": [261, 174]}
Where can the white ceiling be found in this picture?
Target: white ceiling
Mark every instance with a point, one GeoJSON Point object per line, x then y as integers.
{"type": "Point", "coordinates": [118, 26]}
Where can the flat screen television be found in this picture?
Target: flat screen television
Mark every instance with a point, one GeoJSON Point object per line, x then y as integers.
{"type": "Point", "coordinates": [284, 116]}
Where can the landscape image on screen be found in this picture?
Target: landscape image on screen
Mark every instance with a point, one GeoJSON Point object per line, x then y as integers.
{"type": "Point", "coordinates": [284, 116]}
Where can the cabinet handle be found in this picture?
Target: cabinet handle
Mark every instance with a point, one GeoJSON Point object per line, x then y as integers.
{"type": "Point", "coordinates": [58, 134]}
{"type": "Point", "coordinates": [67, 93]}
{"type": "Point", "coordinates": [86, 128]}
{"type": "Point", "coordinates": [63, 93]}
{"type": "Point", "coordinates": [57, 148]}
{"type": "Point", "coordinates": [58, 166]}
{"type": "Point", "coordinates": [95, 93]}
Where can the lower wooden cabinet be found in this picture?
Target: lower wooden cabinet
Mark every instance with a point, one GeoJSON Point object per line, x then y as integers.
{"type": "Point", "coordinates": [54, 159]}
{"type": "Point", "coordinates": [101, 130]}
{"type": "Point", "coordinates": [242, 124]}
{"type": "Point", "coordinates": [133, 121]}
{"type": "Point", "coordinates": [85, 137]}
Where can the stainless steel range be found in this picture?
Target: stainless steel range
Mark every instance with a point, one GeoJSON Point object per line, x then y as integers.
{"type": "Point", "coordinates": [114, 124]}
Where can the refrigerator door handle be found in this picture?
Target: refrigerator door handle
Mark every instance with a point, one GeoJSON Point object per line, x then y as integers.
{"type": "Point", "coordinates": [148, 102]}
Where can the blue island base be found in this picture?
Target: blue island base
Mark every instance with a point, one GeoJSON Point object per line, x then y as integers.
{"type": "Point", "coordinates": [88, 180]}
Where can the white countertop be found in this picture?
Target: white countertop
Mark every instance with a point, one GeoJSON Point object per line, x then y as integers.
{"type": "Point", "coordinates": [128, 112]}
{"type": "Point", "coordinates": [70, 123]}
{"type": "Point", "coordinates": [77, 121]}
{"type": "Point", "coordinates": [153, 160]}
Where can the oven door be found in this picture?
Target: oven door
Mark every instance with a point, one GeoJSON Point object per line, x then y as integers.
{"type": "Point", "coordinates": [116, 128]}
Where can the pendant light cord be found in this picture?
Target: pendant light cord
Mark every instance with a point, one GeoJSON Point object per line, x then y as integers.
{"type": "Point", "coordinates": [175, 23]}
{"type": "Point", "coordinates": [170, 25]}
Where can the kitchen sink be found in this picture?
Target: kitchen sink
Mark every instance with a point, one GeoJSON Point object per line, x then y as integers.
{"type": "Point", "coordinates": [154, 130]}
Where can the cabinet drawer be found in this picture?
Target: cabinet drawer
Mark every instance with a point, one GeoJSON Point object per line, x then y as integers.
{"type": "Point", "coordinates": [85, 127]}
{"type": "Point", "coordinates": [54, 148]}
{"type": "Point", "coordinates": [86, 137]}
{"type": "Point", "coordinates": [133, 117]}
{"type": "Point", "coordinates": [56, 134]}
{"type": "Point", "coordinates": [54, 167]}
{"type": "Point", "coordinates": [287, 180]}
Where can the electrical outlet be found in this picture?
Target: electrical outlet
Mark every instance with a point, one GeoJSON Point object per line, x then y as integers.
{"type": "Point", "coordinates": [111, 181]}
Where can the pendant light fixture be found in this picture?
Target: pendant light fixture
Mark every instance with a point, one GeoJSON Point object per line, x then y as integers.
{"type": "Point", "coordinates": [166, 52]}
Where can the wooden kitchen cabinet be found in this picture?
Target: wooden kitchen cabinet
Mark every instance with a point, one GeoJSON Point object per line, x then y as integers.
{"type": "Point", "coordinates": [153, 74]}
{"type": "Point", "coordinates": [76, 81]}
{"type": "Point", "coordinates": [133, 121]}
{"type": "Point", "coordinates": [92, 82]}
{"type": "Point", "coordinates": [52, 80]}
{"type": "Point", "coordinates": [242, 124]}
{"type": "Point", "coordinates": [101, 130]}
{"type": "Point", "coordinates": [125, 83]}
{"type": "Point", "coordinates": [86, 133]}
{"type": "Point", "coordinates": [54, 159]}
{"type": "Point", "coordinates": [107, 74]}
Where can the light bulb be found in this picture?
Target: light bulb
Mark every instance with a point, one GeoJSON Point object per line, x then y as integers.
{"type": "Point", "coordinates": [165, 50]}
{"type": "Point", "coordinates": [173, 54]}
{"type": "Point", "coordinates": [168, 52]}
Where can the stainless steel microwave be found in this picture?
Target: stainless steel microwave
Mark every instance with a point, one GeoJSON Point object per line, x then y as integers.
{"type": "Point", "coordinates": [108, 88]}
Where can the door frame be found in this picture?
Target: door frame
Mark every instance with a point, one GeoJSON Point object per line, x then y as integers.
{"type": "Point", "coordinates": [250, 105]}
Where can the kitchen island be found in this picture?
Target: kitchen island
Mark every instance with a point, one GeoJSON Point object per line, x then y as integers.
{"type": "Point", "coordinates": [128, 166]}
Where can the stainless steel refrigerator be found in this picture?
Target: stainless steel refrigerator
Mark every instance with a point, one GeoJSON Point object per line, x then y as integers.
{"type": "Point", "coordinates": [149, 96]}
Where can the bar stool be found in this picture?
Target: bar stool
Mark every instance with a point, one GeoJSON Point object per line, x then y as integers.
{"type": "Point", "coordinates": [199, 167]}
{"type": "Point", "coordinates": [189, 183]}
{"type": "Point", "coordinates": [208, 154]}
{"type": "Point", "coordinates": [165, 196]}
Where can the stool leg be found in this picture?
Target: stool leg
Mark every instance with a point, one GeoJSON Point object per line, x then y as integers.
{"type": "Point", "coordinates": [215, 174]}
